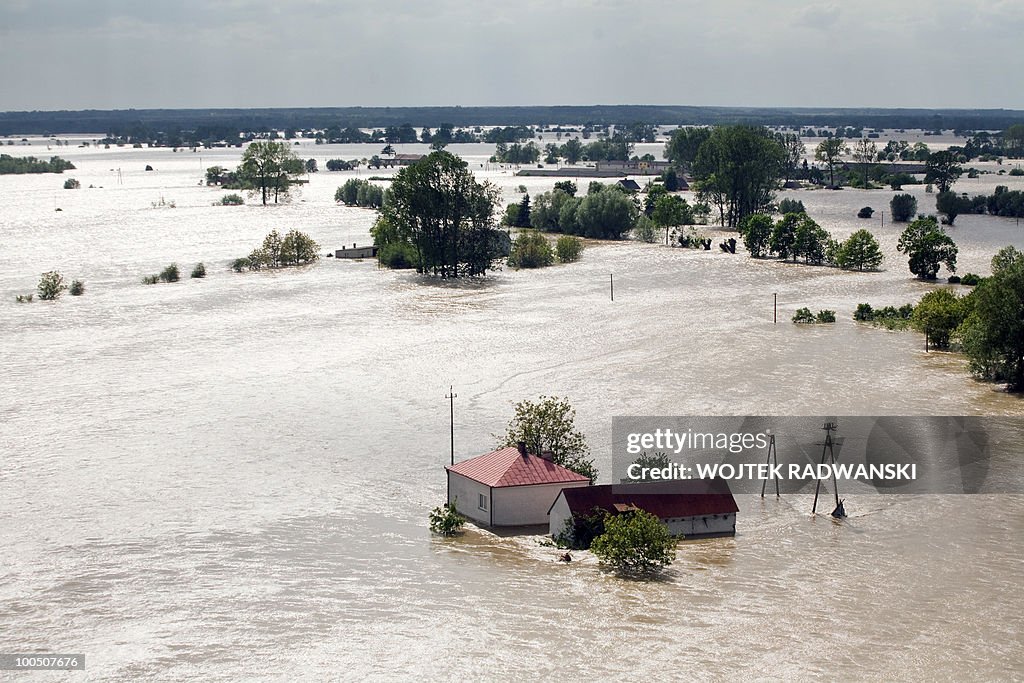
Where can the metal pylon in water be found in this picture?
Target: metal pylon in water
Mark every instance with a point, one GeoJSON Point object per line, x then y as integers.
{"type": "Point", "coordinates": [829, 427]}
{"type": "Point", "coordinates": [772, 456]}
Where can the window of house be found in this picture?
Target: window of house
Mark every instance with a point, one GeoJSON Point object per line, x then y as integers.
{"type": "Point", "coordinates": [483, 502]}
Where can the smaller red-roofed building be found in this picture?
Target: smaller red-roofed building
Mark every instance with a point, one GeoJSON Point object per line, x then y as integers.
{"type": "Point", "coordinates": [692, 508]}
{"type": "Point", "coordinates": [508, 487]}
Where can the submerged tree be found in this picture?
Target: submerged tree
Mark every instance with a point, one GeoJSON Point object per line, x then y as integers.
{"type": "Point", "coordinates": [437, 206]}
{"type": "Point", "coordinates": [927, 247]}
{"type": "Point", "coordinates": [993, 332]}
{"type": "Point", "coordinates": [942, 169]}
{"type": "Point", "coordinates": [828, 152]}
{"type": "Point", "coordinates": [738, 169]}
{"type": "Point", "coordinates": [634, 543]}
{"type": "Point", "coordinates": [270, 169]}
{"type": "Point", "coordinates": [860, 251]}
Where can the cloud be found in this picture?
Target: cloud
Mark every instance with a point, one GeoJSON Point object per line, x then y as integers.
{"type": "Point", "coordinates": [819, 16]}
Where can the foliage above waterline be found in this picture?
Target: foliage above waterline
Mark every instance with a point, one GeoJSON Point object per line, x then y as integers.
{"type": "Point", "coordinates": [19, 165]}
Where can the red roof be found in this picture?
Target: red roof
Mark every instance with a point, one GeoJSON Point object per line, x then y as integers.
{"type": "Point", "coordinates": [507, 467]}
{"type": "Point", "coordinates": [679, 498]}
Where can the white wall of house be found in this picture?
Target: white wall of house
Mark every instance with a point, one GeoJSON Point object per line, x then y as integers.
{"type": "Point", "coordinates": [526, 505]}
{"type": "Point", "coordinates": [559, 514]}
{"type": "Point", "coordinates": [704, 525]}
{"type": "Point", "coordinates": [464, 494]}
{"type": "Point", "coordinates": [690, 527]}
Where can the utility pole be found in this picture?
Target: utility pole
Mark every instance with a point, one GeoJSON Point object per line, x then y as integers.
{"type": "Point", "coordinates": [451, 396]}
{"type": "Point", "coordinates": [829, 427]}
{"type": "Point", "coordinates": [775, 312]}
{"type": "Point", "coordinates": [772, 455]}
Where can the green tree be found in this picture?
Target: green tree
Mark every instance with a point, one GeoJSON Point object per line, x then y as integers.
{"type": "Point", "coordinates": [270, 169]}
{"type": "Point", "coordinates": [523, 212]}
{"type": "Point", "coordinates": [927, 246]}
{"type": "Point", "coordinates": [446, 520]}
{"type": "Point", "coordinates": [298, 248]}
{"type": "Point", "coordinates": [566, 186]}
{"type": "Point", "coordinates": [942, 169]}
{"type": "Point", "coordinates": [645, 230]}
{"type": "Point", "coordinates": [634, 543]}
{"type": "Point", "coordinates": [681, 148]}
{"type": "Point", "coordinates": [738, 169]}
{"type": "Point", "coordinates": [992, 334]}
{"type": "Point", "coordinates": [951, 204]}
{"type": "Point", "coordinates": [864, 152]}
{"type": "Point", "coordinates": [605, 214]}
{"type": "Point", "coordinates": [670, 211]}
{"type": "Point", "coordinates": [756, 231]}
{"type": "Point", "coordinates": [568, 248]}
{"type": "Point", "coordinates": [671, 180]}
{"type": "Point", "coordinates": [548, 424]}
{"type": "Point", "coordinates": [546, 210]}
{"type": "Point", "coordinates": [1013, 140]}
{"type": "Point", "coordinates": [788, 205]}
{"type": "Point", "coordinates": [828, 152]}
{"type": "Point", "coordinates": [572, 151]}
{"type": "Point", "coordinates": [794, 150]}
{"type": "Point", "coordinates": [531, 249]}
{"type": "Point", "coordinates": [937, 315]}
{"type": "Point", "coordinates": [902, 207]}
{"type": "Point", "coordinates": [438, 207]}
{"type": "Point", "coordinates": [860, 251]}
{"type": "Point", "coordinates": [809, 240]}
{"type": "Point", "coordinates": [51, 286]}
{"type": "Point", "coordinates": [783, 239]}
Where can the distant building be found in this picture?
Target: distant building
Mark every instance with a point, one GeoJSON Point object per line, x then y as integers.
{"type": "Point", "coordinates": [508, 487]}
{"type": "Point", "coordinates": [694, 508]}
{"type": "Point", "coordinates": [635, 166]}
{"type": "Point", "coordinates": [629, 185]}
{"type": "Point", "coordinates": [356, 252]}
{"type": "Point", "coordinates": [399, 160]}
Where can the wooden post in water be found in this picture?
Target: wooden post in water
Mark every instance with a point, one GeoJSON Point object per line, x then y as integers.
{"type": "Point", "coordinates": [775, 317]}
{"type": "Point", "coordinates": [451, 396]}
{"type": "Point", "coordinates": [611, 285]}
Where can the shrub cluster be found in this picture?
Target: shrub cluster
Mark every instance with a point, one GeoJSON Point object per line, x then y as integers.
{"type": "Point", "coordinates": [796, 236]}
{"type": "Point", "coordinates": [295, 248]}
{"type": "Point", "coordinates": [446, 520]}
{"type": "Point", "coordinates": [531, 249]}
{"type": "Point", "coordinates": [358, 192]}
{"type": "Point", "coordinates": [888, 317]}
{"type": "Point", "coordinates": [804, 316]}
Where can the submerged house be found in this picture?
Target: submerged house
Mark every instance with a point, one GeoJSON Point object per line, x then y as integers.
{"type": "Point", "coordinates": [694, 508]}
{"type": "Point", "coordinates": [356, 252]}
{"type": "Point", "coordinates": [508, 487]}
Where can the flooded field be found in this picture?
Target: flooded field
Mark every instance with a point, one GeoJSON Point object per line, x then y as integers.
{"type": "Point", "coordinates": [229, 478]}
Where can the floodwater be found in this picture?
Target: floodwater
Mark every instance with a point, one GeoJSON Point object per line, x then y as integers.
{"type": "Point", "coordinates": [229, 478]}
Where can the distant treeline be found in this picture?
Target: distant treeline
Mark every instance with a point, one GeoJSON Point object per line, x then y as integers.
{"type": "Point", "coordinates": [223, 123]}
{"type": "Point", "coordinates": [16, 165]}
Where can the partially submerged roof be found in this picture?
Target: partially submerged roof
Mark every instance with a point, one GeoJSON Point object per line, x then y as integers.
{"type": "Point", "coordinates": [679, 498]}
{"type": "Point", "coordinates": [508, 467]}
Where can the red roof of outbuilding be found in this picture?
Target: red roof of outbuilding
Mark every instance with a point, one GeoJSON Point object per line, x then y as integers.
{"type": "Point", "coordinates": [507, 467]}
{"type": "Point", "coordinates": [679, 498]}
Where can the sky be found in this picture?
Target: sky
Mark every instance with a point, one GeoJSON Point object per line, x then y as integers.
{"type": "Point", "coordinates": [117, 54]}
